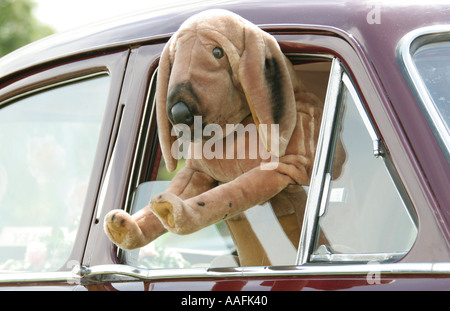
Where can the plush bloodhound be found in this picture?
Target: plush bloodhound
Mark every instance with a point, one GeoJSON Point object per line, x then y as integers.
{"type": "Point", "coordinates": [224, 69]}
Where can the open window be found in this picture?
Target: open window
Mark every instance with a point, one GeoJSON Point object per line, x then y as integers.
{"type": "Point", "coordinates": [359, 215]}
{"type": "Point", "coordinates": [213, 246]}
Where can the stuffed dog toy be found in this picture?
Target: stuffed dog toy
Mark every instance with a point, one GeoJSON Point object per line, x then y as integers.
{"type": "Point", "coordinates": [224, 69]}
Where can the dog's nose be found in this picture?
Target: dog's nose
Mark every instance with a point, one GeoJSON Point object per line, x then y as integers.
{"type": "Point", "coordinates": [181, 114]}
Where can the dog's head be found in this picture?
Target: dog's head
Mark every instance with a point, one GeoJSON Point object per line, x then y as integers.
{"type": "Point", "coordinates": [223, 68]}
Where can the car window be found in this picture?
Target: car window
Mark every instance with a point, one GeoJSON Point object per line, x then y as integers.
{"type": "Point", "coordinates": [364, 213]}
{"type": "Point", "coordinates": [48, 142]}
{"type": "Point", "coordinates": [424, 58]}
{"type": "Point", "coordinates": [214, 246]}
{"type": "Point", "coordinates": [433, 64]}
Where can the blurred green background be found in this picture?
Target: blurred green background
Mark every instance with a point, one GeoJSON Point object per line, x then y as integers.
{"type": "Point", "coordinates": [19, 26]}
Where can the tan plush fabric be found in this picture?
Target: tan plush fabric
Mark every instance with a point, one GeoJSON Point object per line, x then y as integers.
{"type": "Point", "coordinates": [252, 83]}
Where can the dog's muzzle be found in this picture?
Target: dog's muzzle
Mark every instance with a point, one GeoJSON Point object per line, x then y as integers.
{"type": "Point", "coordinates": [181, 114]}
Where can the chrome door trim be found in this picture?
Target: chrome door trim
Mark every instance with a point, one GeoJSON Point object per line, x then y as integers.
{"type": "Point", "coordinates": [125, 273]}
{"type": "Point", "coordinates": [38, 277]}
{"type": "Point", "coordinates": [315, 192]}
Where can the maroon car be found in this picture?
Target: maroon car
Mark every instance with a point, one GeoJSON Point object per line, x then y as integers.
{"type": "Point", "coordinates": [78, 138]}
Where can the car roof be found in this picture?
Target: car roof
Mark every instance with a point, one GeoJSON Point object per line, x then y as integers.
{"type": "Point", "coordinates": [364, 22]}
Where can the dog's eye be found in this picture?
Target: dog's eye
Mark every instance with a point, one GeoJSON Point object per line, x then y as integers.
{"type": "Point", "coordinates": [217, 52]}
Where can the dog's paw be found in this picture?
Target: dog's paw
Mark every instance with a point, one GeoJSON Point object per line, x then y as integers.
{"type": "Point", "coordinates": [121, 228]}
{"type": "Point", "coordinates": [167, 207]}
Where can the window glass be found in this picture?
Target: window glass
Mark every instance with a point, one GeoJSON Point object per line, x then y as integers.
{"type": "Point", "coordinates": [47, 148]}
{"type": "Point", "coordinates": [433, 63]}
{"type": "Point", "coordinates": [365, 213]}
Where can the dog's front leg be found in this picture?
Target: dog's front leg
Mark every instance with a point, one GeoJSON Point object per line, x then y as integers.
{"type": "Point", "coordinates": [132, 231]}
{"type": "Point", "coordinates": [227, 200]}
{"type": "Point", "coordinates": [137, 230]}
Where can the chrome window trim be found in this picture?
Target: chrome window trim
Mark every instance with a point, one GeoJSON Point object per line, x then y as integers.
{"type": "Point", "coordinates": [125, 273]}
{"type": "Point", "coordinates": [354, 258]}
{"type": "Point", "coordinates": [27, 277]}
{"type": "Point", "coordinates": [318, 174]}
{"type": "Point", "coordinates": [142, 141]}
{"type": "Point", "coordinates": [50, 86]}
{"type": "Point", "coordinates": [406, 48]}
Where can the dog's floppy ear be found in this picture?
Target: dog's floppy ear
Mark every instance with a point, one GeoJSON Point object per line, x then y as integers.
{"type": "Point", "coordinates": [266, 81]}
{"type": "Point", "coordinates": [164, 125]}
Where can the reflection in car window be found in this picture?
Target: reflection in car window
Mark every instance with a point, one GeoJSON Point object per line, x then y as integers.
{"type": "Point", "coordinates": [365, 212]}
{"type": "Point", "coordinates": [48, 142]}
{"type": "Point", "coordinates": [433, 64]}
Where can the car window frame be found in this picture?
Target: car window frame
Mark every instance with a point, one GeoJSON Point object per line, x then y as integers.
{"type": "Point", "coordinates": [113, 64]}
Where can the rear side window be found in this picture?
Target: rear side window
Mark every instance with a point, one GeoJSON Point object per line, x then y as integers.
{"type": "Point", "coordinates": [433, 63]}
{"type": "Point", "coordinates": [425, 58]}
{"type": "Point", "coordinates": [48, 143]}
